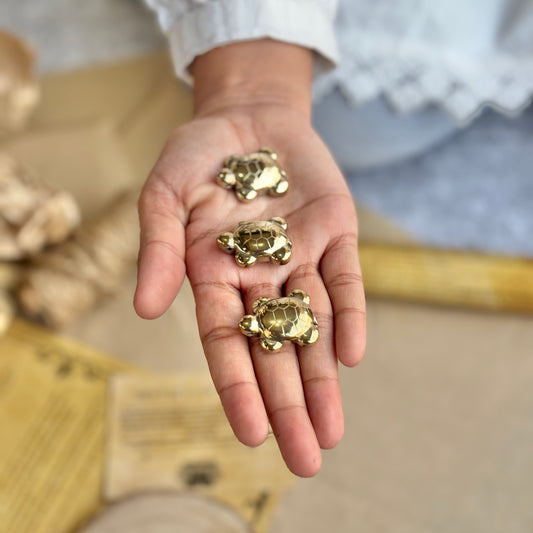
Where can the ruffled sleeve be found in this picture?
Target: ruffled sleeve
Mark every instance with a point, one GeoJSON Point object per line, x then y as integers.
{"type": "Point", "coordinates": [196, 26]}
{"type": "Point", "coordinates": [459, 56]}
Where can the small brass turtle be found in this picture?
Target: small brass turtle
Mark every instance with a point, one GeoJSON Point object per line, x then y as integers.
{"type": "Point", "coordinates": [254, 174]}
{"type": "Point", "coordinates": [281, 319]}
{"type": "Point", "coordinates": [264, 239]}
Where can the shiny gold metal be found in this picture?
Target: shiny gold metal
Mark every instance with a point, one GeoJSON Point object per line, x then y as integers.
{"type": "Point", "coordinates": [263, 240]}
{"type": "Point", "coordinates": [281, 319]}
{"type": "Point", "coordinates": [254, 174]}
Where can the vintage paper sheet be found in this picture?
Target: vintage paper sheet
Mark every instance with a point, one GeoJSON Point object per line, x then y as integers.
{"type": "Point", "coordinates": [53, 397]}
{"type": "Point", "coordinates": [170, 433]}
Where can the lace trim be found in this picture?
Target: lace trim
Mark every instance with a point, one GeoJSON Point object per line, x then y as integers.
{"type": "Point", "coordinates": [416, 76]}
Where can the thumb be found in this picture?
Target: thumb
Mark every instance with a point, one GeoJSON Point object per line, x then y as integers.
{"type": "Point", "coordinates": [161, 265]}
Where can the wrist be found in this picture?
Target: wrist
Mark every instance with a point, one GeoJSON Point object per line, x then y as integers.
{"type": "Point", "coordinates": [252, 73]}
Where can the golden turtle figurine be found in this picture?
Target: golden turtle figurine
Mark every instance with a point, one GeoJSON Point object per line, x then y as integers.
{"type": "Point", "coordinates": [253, 174]}
{"type": "Point", "coordinates": [264, 239]}
{"type": "Point", "coordinates": [281, 319]}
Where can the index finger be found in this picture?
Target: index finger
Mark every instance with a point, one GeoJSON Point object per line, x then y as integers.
{"type": "Point", "coordinates": [219, 309]}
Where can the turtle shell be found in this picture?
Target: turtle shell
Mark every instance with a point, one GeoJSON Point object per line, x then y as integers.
{"type": "Point", "coordinates": [285, 318]}
{"type": "Point", "coordinates": [260, 237]}
{"type": "Point", "coordinates": [248, 171]}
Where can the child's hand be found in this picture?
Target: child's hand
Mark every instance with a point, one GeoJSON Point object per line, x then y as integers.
{"type": "Point", "coordinates": [183, 210]}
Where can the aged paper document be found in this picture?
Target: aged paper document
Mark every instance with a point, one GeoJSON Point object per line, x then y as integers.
{"type": "Point", "coordinates": [53, 398]}
{"type": "Point", "coordinates": [170, 433]}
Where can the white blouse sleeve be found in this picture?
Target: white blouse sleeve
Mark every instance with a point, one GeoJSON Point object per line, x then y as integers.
{"type": "Point", "coordinates": [460, 56]}
{"type": "Point", "coordinates": [195, 26]}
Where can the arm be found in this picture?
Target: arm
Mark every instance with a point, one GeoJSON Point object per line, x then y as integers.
{"type": "Point", "coordinates": [248, 95]}
{"type": "Point", "coordinates": [253, 73]}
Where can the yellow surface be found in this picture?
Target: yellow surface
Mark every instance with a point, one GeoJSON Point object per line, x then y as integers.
{"type": "Point", "coordinates": [445, 277]}
{"type": "Point", "coordinates": [53, 397]}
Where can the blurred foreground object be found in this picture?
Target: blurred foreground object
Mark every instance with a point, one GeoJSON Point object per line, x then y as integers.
{"type": "Point", "coordinates": [448, 277]}
{"type": "Point", "coordinates": [32, 215]}
{"type": "Point", "coordinates": [9, 275]}
{"type": "Point", "coordinates": [19, 90]}
{"type": "Point", "coordinates": [68, 279]}
{"type": "Point", "coordinates": [168, 513]}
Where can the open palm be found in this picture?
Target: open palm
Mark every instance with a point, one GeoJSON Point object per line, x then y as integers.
{"type": "Point", "coordinates": [182, 210]}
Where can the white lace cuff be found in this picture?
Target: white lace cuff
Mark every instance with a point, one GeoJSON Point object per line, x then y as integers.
{"type": "Point", "coordinates": [412, 75]}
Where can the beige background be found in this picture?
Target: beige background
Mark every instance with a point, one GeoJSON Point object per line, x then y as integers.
{"type": "Point", "coordinates": [439, 415]}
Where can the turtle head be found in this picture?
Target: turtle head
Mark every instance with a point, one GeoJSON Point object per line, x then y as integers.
{"type": "Point", "coordinates": [226, 242]}
{"type": "Point", "coordinates": [249, 325]}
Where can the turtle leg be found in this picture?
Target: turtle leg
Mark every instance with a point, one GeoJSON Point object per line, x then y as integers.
{"type": "Point", "coordinates": [281, 186]}
{"type": "Point", "coordinates": [245, 195]}
{"type": "Point", "coordinates": [232, 159]}
{"type": "Point", "coordinates": [226, 178]}
{"type": "Point", "coordinates": [243, 259]}
{"type": "Point", "coordinates": [282, 255]}
{"type": "Point", "coordinates": [281, 221]}
{"type": "Point", "coordinates": [270, 345]}
{"type": "Point", "coordinates": [259, 302]}
{"type": "Point", "coordinates": [309, 337]}
{"type": "Point", "coordinates": [302, 295]}
{"type": "Point", "coordinates": [267, 151]}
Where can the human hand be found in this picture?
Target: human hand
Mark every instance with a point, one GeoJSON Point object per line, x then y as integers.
{"type": "Point", "coordinates": [183, 210]}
